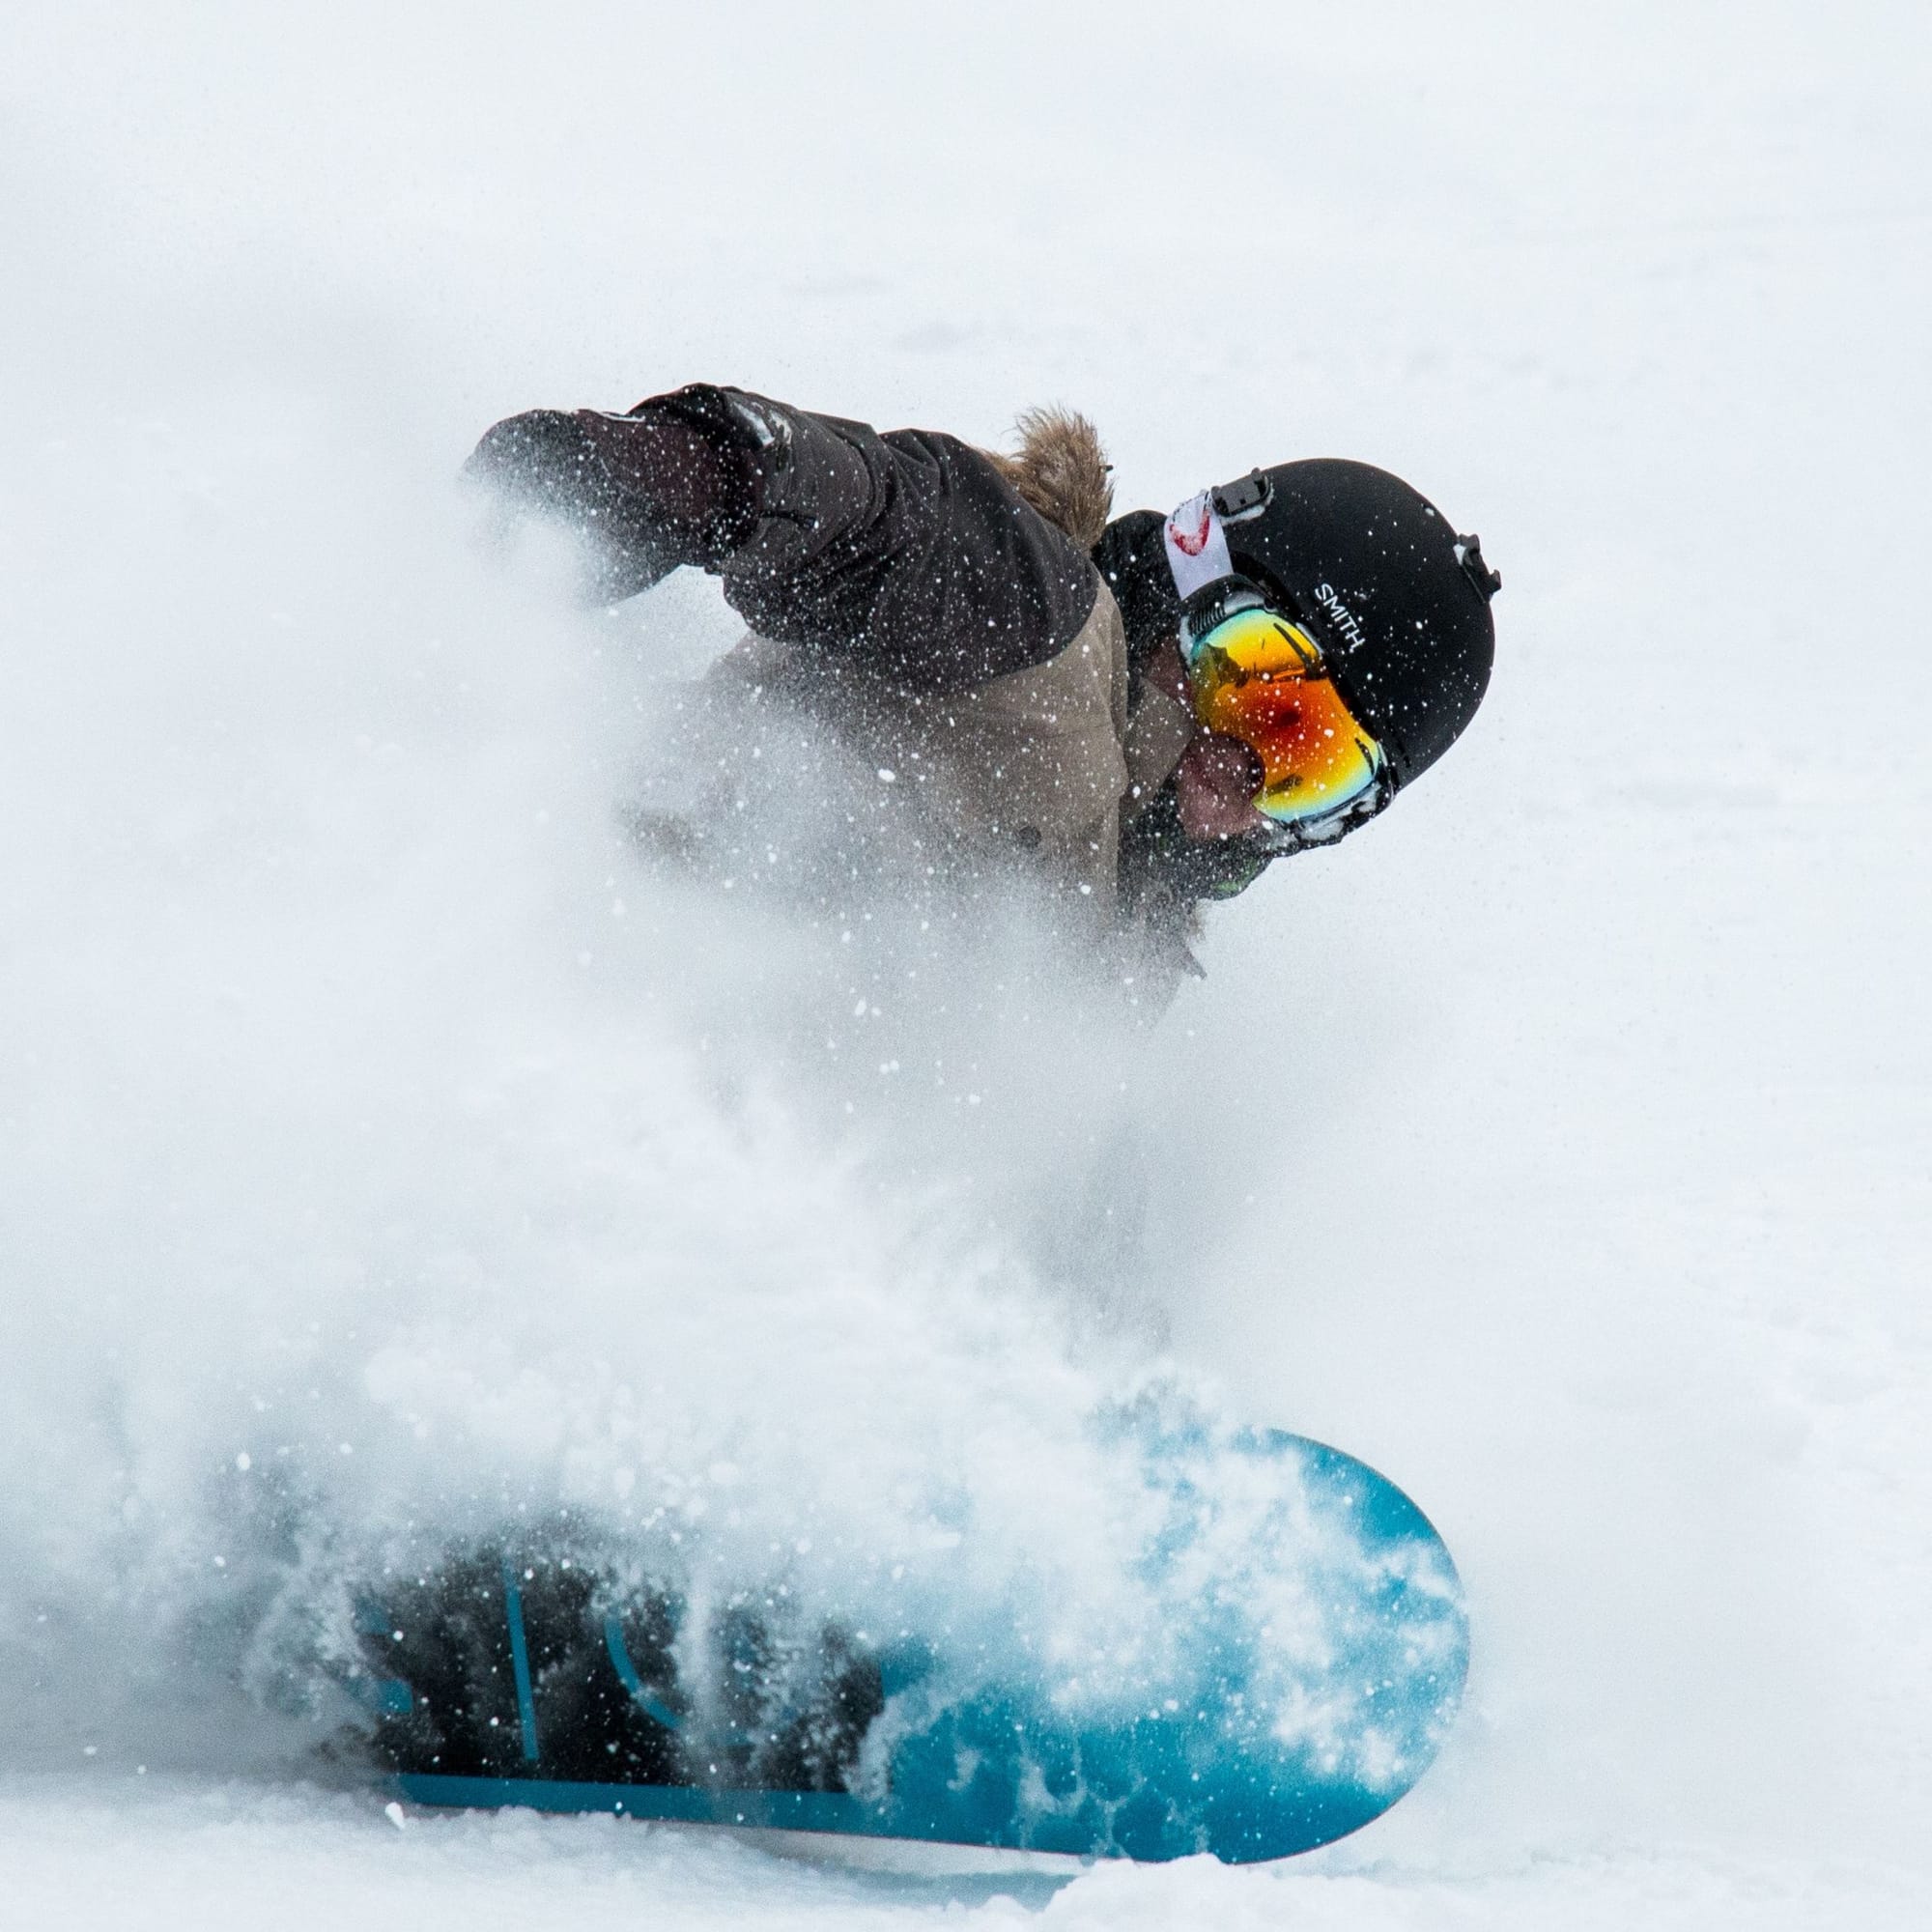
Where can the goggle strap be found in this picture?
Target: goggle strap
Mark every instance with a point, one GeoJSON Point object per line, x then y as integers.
{"type": "Point", "coordinates": [1196, 545]}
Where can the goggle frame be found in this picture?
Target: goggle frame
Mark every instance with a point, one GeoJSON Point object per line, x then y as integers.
{"type": "Point", "coordinates": [1226, 602]}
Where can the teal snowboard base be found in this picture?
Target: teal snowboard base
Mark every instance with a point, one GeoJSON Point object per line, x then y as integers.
{"type": "Point", "coordinates": [1310, 1651]}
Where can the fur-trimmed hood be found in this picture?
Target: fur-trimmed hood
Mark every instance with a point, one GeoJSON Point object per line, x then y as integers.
{"type": "Point", "coordinates": [1060, 469]}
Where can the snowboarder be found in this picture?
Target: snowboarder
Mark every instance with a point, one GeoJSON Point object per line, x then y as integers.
{"type": "Point", "coordinates": [1149, 709]}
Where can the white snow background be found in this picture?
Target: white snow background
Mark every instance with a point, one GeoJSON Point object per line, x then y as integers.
{"type": "Point", "coordinates": [358, 1089]}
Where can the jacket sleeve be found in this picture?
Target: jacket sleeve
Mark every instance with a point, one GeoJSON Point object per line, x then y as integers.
{"type": "Point", "coordinates": [906, 555]}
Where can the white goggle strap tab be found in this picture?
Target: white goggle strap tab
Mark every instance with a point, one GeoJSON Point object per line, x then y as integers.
{"type": "Point", "coordinates": [1196, 546]}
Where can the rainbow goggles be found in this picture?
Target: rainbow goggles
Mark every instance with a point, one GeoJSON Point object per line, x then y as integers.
{"type": "Point", "coordinates": [1259, 677]}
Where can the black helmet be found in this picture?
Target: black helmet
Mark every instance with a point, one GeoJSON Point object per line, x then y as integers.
{"type": "Point", "coordinates": [1398, 602]}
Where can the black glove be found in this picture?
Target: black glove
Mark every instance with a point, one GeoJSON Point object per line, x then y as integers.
{"type": "Point", "coordinates": [677, 481]}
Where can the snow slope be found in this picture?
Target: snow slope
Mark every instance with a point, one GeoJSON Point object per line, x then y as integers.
{"type": "Point", "coordinates": [369, 1119]}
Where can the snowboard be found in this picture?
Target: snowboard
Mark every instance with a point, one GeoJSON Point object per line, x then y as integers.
{"type": "Point", "coordinates": [1308, 1656]}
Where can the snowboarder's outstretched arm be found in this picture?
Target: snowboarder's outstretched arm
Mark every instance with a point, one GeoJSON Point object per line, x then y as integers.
{"type": "Point", "coordinates": [906, 552]}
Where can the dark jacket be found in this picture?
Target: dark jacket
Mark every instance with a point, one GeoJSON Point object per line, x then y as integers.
{"type": "Point", "coordinates": [911, 559]}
